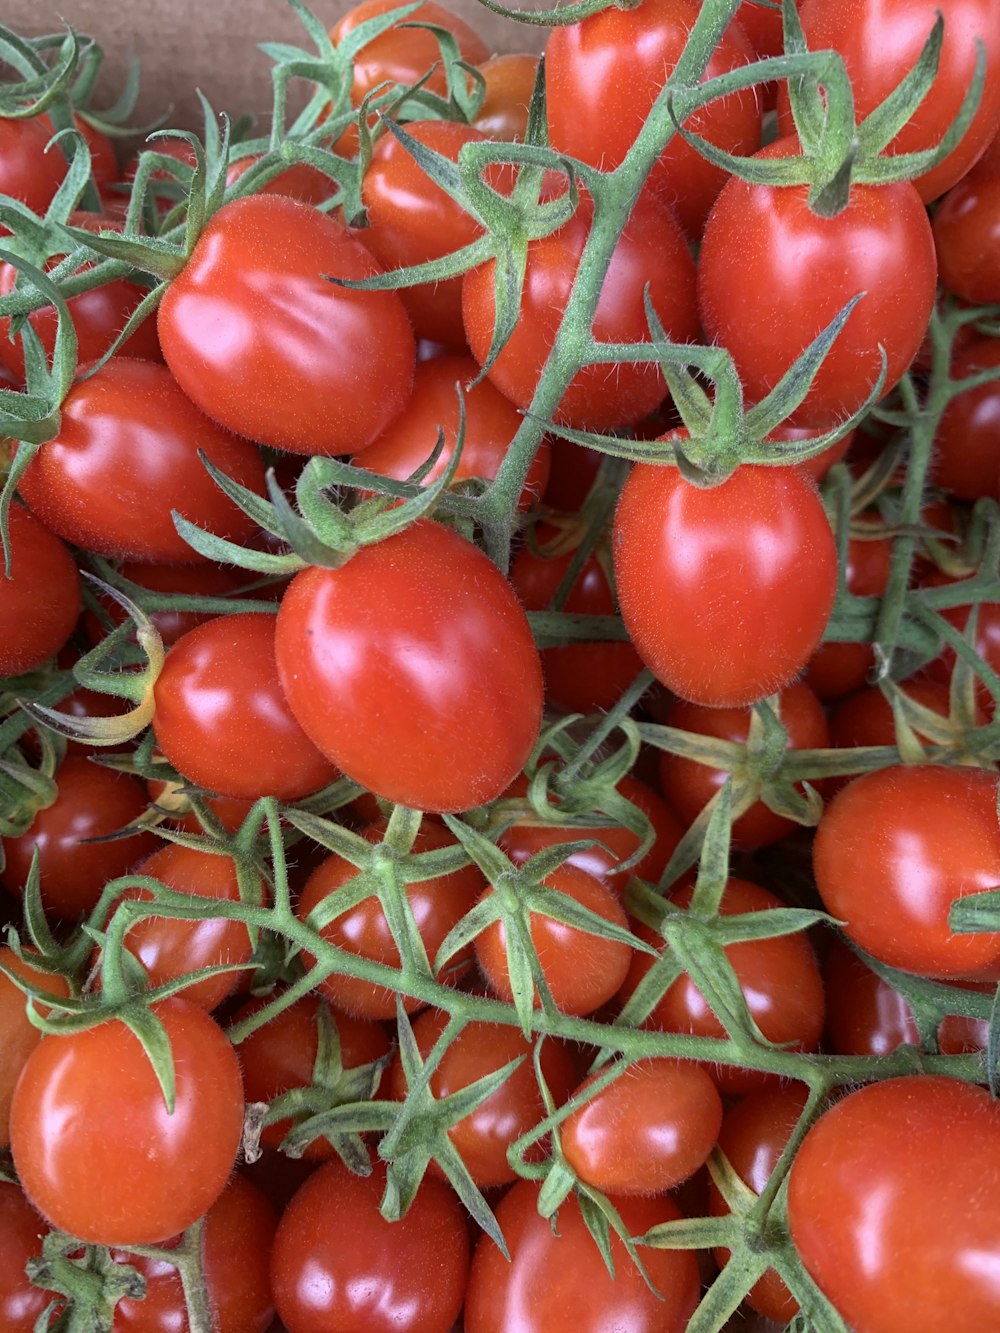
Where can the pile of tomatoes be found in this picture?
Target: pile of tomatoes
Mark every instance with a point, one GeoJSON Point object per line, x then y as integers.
{"type": "Point", "coordinates": [499, 658]}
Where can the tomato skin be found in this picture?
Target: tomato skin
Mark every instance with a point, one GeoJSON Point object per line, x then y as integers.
{"type": "Point", "coordinates": [889, 863]}
{"type": "Point", "coordinates": [651, 249]}
{"type": "Point", "coordinates": [880, 43]}
{"type": "Point", "coordinates": [967, 236]}
{"type": "Point", "coordinates": [724, 592]}
{"type": "Point", "coordinates": [556, 1282]}
{"type": "Point", "coordinates": [483, 1137]}
{"type": "Point", "coordinates": [126, 456]}
{"type": "Point", "coordinates": [754, 1133]}
{"type": "Point", "coordinates": [411, 220]}
{"type": "Point", "coordinates": [27, 171]}
{"type": "Point", "coordinates": [413, 668]}
{"type": "Point", "coordinates": [94, 1147]}
{"type": "Point", "coordinates": [966, 448]}
{"type": "Point", "coordinates": [897, 1233]}
{"type": "Point", "coordinates": [169, 947]}
{"type": "Point", "coordinates": [688, 785]}
{"type": "Point", "coordinates": [405, 54]}
{"type": "Point", "coordinates": [778, 976]}
{"type": "Point", "coordinates": [307, 184]}
{"type": "Point", "coordinates": [338, 1264]}
{"type": "Point", "coordinates": [491, 422]}
{"type": "Point", "coordinates": [510, 80]}
{"type": "Point", "coordinates": [18, 1035]}
{"type": "Point", "coordinates": [266, 346]}
{"type": "Point", "coordinates": [835, 669]}
{"type": "Point", "coordinates": [21, 1234]}
{"type": "Point", "coordinates": [603, 75]}
{"type": "Point", "coordinates": [651, 1129]}
{"type": "Point", "coordinates": [236, 1248]}
{"type": "Point", "coordinates": [438, 905]}
{"type": "Point", "coordinates": [281, 1055]}
{"type": "Point", "coordinates": [772, 275]}
{"type": "Point", "coordinates": [40, 601]}
{"type": "Point", "coordinates": [221, 718]}
{"type": "Point", "coordinates": [582, 971]}
{"type": "Point", "coordinates": [91, 802]}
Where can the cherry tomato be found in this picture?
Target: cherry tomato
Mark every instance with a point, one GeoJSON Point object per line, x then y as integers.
{"type": "Point", "coordinates": [835, 669]}
{"type": "Point", "coordinates": [772, 275]}
{"type": "Point", "coordinates": [582, 971]}
{"type": "Point", "coordinates": [580, 677]}
{"type": "Point", "coordinates": [881, 42]}
{"type": "Point", "coordinates": [437, 904]}
{"type": "Point", "coordinates": [820, 464]}
{"type": "Point", "coordinates": [281, 1055]}
{"type": "Point", "coordinates": [126, 456]}
{"type": "Point", "coordinates": [966, 448]}
{"type": "Point", "coordinates": [404, 54]}
{"type": "Point", "coordinates": [222, 720]}
{"type": "Point", "coordinates": [491, 422]}
{"type": "Point", "coordinates": [483, 1137]}
{"type": "Point", "coordinates": [91, 802]}
{"type": "Point", "coordinates": [688, 785]}
{"type": "Point", "coordinates": [778, 976]}
{"type": "Point", "coordinates": [645, 1133]}
{"type": "Point", "coordinates": [257, 336]}
{"type": "Point", "coordinates": [866, 718]}
{"type": "Point", "coordinates": [307, 184]}
{"type": "Point", "coordinates": [27, 172]}
{"type": "Point", "coordinates": [39, 598]}
{"type": "Point", "coordinates": [967, 235]}
{"type": "Point", "coordinates": [18, 1035]}
{"type": "Point", "coordinates": [724, 592]}
{"type": "Point", "coordinates": [888, 866]}
{"type": "Point", "coordinates": [21, 1234]}
{"type": "Point", "coordinates": [338, 1264]}
{"type": "Point", "coordinates": [555, 1281]}
{"type": "Point", "coordinates": [603, 75]}
{"type": "Point", "coordinates": [412, 668]}
{"type": "Point", "coordinates": [236, 1249]}
{"type": "Point", "coordinates": [754, 1134]}
{"type": "Point", "coordinates": [510, 81]}
{"type": "Point", "coordinates": [651, 250]}
{"type": "Point", "coordinates": [94, 1146]}
{"type": "Point", "coordinates": [897, 1233]}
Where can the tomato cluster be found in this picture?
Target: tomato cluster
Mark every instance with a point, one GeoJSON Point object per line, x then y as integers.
{"type": "Point", "coordinates": [499, 664]}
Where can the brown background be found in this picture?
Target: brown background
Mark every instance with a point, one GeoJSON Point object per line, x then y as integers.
{"type": "Point", "coordinates": [211, 44]}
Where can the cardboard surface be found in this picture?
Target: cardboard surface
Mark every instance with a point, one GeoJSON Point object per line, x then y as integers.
{"type": "Point", "coordinates": [212, 45]}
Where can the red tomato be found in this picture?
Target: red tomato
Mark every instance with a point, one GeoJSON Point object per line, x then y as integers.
{"type": "Point", "coordinates": [582, 971]}
{"type": "Point", "coordinates": [772, 275]}
{"type": "Point", "coordinates": [866, 717]}
{"type": "Point", "coordinates": [724, 592]}
{"type": "Point", "coordinates": [405, 54]}
{"type": "Point", "coordinates": [778, 976]}
{"type": "Point", "coordinates": [835, 669]}
{"type": "Point", "coordinates": [21, 1234]}
{"type": "Point", "coordinates": [528, 836]}
{"type": "Point", "coordinates": [92, 801]}
{"type": "Point", "coordinates": [967, 235]}
{"type": "Point", "coordinates": [580, 677]}
{"type": "Point", "coordinates": [688, 785]}
{"type": "Point", "coordinates": [170, 947]}
{"type": "Point", "coordinates": [603, 75]}
{"type": "Point", "coordinates": [411, 220]}
{"type": "Point", "coordinates": [483, 1137]}
{"type": "Point", "coordinates": [39, 600]}
{"type": "Point", "coordinates": [94, 1146]}
{"type": "Point", "coordinates": [126, 456]}
{"type": "Point", "coordinates": [651, 250]}
{"type": "Point", "coordinates": [281, 1055]}
{"type": "Point", "coordinates": [338, 1264]}
{"type": "Point", "coordinates": [412, 668]}
{"type": "Point", "coordinates": [967, 444]}
{"type": "Point", "coordinates": [881, 42]}
{"type": "Point", "coordinates": [18, 1035]}
{"type": "Point", "coordinates": [266, 345]}
{"type": "Point", "coordinates": [889, 866]}
{"type": "Point", "coordinates": [510, 80]}
{"type": "Point", "coordinates": [222, 720]}
{"type": "Point", "coordinates": [651, 1129]}
{"type": "Point", "coordinates": [236, 1249]}
{"type": "Point", "coordinates": [818, 466]}
{"type": "Point", "coordinates": [27, 172]}
{"type": "Point", "coordinates": [307, 184]}
{"type": "Point", "coordinates": [438, 905]}
{"type": "Point", "coordinates": [897, 1233]}
{"type": "Point", "coordinates": [491, 422]}
{"type": "Point", "coordinates": [754, 1133]}
{"type": "Point", "coordinates": [555, 1281]}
